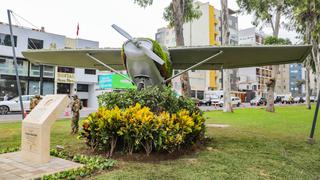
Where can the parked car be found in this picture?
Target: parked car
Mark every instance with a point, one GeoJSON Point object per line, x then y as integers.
{"type": "Point", "coordinates": [258, 101]}
{"type": "Point", "coordinates": [298, 99]}
{"type": "Point", "coordinates": [235, 101]}
{"type": "Point", "coordinates": [278, 98]}
{"type": "Point", "coordinates": [215, 101]}
{"type": "Point", "coordinates": [312, 98]}
{"type": "Point", "coordinates": [13, 105]}
{"type": "Point", "coordinates": [206, 102]}
{"type": "Point", "coordinates": [288, 99]}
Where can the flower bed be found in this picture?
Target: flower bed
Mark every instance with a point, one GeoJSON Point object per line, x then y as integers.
{"type": "Point", "coordinates": [138, 127]}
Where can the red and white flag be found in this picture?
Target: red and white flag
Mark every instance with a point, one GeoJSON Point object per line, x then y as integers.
{"type": "Point", "coordinates": [78, 29]}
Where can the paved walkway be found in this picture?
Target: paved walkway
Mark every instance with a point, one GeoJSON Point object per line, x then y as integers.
{"type": "Point", "coordinates": [218, 125]}
{"type": "Point", "coordinates": [12, 166]}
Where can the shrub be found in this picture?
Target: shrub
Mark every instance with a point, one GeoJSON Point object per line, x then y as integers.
{"type": "Point", "coordinates": [158, 99]}
{"type": "Point", "coordinates": [153, 119]}
{"type": "Point", "coordinates": [137, 127]}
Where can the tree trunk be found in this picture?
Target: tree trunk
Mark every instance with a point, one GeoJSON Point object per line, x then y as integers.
{"type": "Point", "coordinates": [308, 87]}
{"type": "Point", "coordinates": [178, 12]}
{"type": "Point", "coordinates": [275, 68]}
{"type": "Point", "coordinates": [227, 107]}
{"type": "Point", "coordinates": [270, 99]}
{"type": "Point", "coordinates": [315, 45]}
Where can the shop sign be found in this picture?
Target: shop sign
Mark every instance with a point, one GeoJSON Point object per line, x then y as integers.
{"type": "Point", "coordinates": [65, 78]}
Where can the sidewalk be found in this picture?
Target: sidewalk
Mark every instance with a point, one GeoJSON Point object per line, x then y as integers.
{"type": "Point", "coordinates": [16, 117]}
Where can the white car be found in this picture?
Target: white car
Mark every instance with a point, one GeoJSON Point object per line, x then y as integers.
{"type": "Point", "coordinates": [215, 101]}
{"type": "Point", "coordinates": [235, 101]}
{"type": "Point", "coordinates": [312, 98]}
{"type": "Point", "coordinates": [14, 104]}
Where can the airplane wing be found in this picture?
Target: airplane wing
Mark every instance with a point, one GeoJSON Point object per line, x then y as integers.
{"type": "Point", "coordinates": [77, 58]}
{"type": "Point", "coordinates": [237, 56]}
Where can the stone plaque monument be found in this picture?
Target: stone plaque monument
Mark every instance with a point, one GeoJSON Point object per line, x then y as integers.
{"type": "Point", "coordinates": [36, 128]}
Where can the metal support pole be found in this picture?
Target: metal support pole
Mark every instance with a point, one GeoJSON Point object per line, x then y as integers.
{"type": "Point", "coordinates": [41, 80]}
{"type": "Point", "coordinates": [314, 123]}
{"type": "Point", "coordinates": [15, 62]}
{"type": "Point", "coordinates": [109, 68]}
{"type": "Point", "coordinates": [194, 66]}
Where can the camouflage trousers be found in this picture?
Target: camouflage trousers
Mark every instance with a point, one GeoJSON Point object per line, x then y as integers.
{"type": "Point", "coordinates": [75, 123]}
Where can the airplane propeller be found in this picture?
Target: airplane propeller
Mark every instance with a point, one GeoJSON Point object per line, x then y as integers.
{"type": "Point", "coordinates": [139, 45]}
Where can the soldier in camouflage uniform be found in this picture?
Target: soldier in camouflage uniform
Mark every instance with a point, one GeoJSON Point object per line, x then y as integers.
{"type": "Point", "coordinates": [75, 108]}
{"type": "Point", "coordinates": [34, 101]}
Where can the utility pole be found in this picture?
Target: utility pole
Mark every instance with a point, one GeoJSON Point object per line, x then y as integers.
{"type": "Point", "coordinates": [15, 63]}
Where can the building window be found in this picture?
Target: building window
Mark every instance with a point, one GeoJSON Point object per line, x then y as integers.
{"type": "Point", "coordinates": [34, 87]}
{"type": "Point", "coordinates": [200, 94]}
{"type": "Point", "coordinates": [48, 88]}
{"type": "Point", "coordinates": [193, 93]}
{"type": "Point", "coordinates": [82, 87]}
{"type": "Point", "coordinates": [65, 69]}
{"type": "Point", "coordinates": [35, 43]}
{"type": "Point", "coordinates": [7, 67]}
{"type": "Point", "coordinates": [48, 71]}
{"type": "Point", "coordinates": [35, 70]}
{"type": "Point", "coordinates": [5, 40]}
{"type": "Point", "coordinates": [90, 71]}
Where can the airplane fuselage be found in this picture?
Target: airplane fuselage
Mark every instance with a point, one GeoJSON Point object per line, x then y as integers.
{"type": "Point", "coordinates": [143, 70]}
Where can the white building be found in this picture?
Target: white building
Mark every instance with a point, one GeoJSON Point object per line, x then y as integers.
{"type": "Point", "coordinates": [253, 78]}
{"type": "Point", "coordinates": [44, 79]}
{"type": "Point", "coordinates": [200, 32]}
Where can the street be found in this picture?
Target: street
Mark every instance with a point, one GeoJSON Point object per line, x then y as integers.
{"type": "Point", "coordinates": [14, 117]}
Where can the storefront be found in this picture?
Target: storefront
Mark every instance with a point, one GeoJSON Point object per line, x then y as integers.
{"type": "Point", "coordinates": [65, 82]}
{"type": "Point", "coordinates": [33, 79]}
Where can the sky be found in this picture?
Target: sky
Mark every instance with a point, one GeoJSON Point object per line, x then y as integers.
{"type": "Point", "coordinates": [95, 18]}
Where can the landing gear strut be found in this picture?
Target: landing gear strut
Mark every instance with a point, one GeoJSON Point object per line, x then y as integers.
{"type": "Point", "coordinates": [140, 85]}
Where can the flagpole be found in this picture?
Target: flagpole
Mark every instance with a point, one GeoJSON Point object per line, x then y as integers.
{"type": "Point", "coordinates": [77, 38]}
{"type": "Point", "coordinates": [15, 63]}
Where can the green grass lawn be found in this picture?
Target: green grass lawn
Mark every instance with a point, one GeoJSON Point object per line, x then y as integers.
{"type": "Point", "coordinates": [257, 145]}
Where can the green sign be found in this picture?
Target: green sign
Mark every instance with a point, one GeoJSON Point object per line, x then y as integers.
{"type": "Point", "coordinates": [114, 81]}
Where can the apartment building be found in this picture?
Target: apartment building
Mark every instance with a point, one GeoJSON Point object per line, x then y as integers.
{"type": "Point", "coordinates": [201, 32]}
{"type": "Point", "coordinates": [43, 79]}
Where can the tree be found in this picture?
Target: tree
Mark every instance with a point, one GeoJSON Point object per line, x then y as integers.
{"type": "Point", "coordinates": [267, 12]}
{"type": "Point", "coordinates": [177, 13]}
{"type": "Point", "coordinates": [299, 84]}
{"type": "Point", "coordinates": [306, 19]}
{"type": "Point", "coordinates": [225, 41]}
{"type": "Point", "coordinates": [271, 40]}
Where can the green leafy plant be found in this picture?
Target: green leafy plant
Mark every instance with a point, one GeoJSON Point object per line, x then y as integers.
{"type": "Point", "coordinates": [92, 164]}
{"type": "Point", "coordinates": [137, 127]}
{"type": "Point", "coordinates": [158, 99]}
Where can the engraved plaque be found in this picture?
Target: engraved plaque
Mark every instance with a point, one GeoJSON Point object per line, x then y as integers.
{"type": "Point", "coordinates": [35, 141]}
{"type": "Point", "coordinates": [31, 138]}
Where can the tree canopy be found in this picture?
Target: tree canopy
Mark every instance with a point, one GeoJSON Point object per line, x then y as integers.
{"type": "Point", "coordinates": [266, 11]}
{"type": "Point", "coordinates": [271, 40]}
{"type": "Point", "coordinates": [190, 11]}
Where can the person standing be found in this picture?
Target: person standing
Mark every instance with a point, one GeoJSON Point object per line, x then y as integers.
{"type": "Point", "coordinates": [5, 97]}
{"type": "Point", "coordinates": [34, 102]}
{"type": "Point", "coordinates": [75, 108]}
